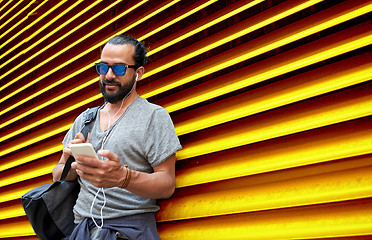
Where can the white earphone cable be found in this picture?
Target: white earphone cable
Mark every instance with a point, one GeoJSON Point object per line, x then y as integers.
{"type": "Point", "coordinates": [103, 141]}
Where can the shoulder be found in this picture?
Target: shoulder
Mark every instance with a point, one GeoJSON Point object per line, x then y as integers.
{"type": "Point", "coordinates": [151, 113]}
{"type": "Point", "coordinates": [89, 113]}
{"type": "Point", "coordinates": [149, 109]}
{"type": "Point", "coordinates": [146, 104]}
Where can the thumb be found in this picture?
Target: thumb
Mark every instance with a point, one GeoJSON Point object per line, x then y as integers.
{"type": "Point", "coordinates": [80, 136]}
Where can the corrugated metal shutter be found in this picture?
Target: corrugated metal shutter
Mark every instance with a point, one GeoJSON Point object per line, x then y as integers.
{"type": "Point", "coordinates": [271, 101]}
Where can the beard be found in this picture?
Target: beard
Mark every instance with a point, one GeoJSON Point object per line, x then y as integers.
{"type": "Point", "coordinates": [124, 90]}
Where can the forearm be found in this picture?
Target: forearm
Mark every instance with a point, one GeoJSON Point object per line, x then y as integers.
{"type": "Point", "coordinates": [153, 186]}
{"type": "Point", "coordinates": [110, 173]}
{"type": "Point", "coordinates": [57, 172]}
{"type": "Point", "coordinates": [58, 169]}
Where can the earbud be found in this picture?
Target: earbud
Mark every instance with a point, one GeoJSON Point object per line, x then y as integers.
{"type": "Point", "coordinates": [137, 77]}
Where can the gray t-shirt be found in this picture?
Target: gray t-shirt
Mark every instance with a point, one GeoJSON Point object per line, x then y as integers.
{"type": "Point", "coordinates": [143, 137]}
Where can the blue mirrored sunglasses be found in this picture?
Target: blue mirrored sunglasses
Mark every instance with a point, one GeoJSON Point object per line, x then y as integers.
{"type": "Point", "coordinates": [119, 69]}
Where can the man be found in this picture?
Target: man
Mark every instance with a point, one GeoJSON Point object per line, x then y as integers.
{"type": "Point", "coordinates": [136, 141]}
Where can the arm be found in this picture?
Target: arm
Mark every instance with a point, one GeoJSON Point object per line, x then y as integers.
{"type": "Point", "coordinates": [110, 173]}
{"type": "Point", "coordinates": [58, 169]}
{"type": "Point", "coordinates": [160, 184]}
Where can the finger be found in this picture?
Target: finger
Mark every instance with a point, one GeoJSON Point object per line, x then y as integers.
{"type": "Point", "coordinates": [85, 175]}
{"type": "Point", "coordinates": [80, 136]}
{"type": "Point", "coordinates": [88, 161]}
{"type": "Point", "coordinates": [85, 169]}
{"type": "Point", "coordinates": [67, 151]}
{"type": "Point", "coordinates": [109, 155]}
{"type": "Point", "coordinates": [74, 141]}
{"type": "Point", "coordinates": [92, 174]}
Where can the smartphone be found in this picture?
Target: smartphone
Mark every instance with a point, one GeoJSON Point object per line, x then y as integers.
{"type": "Point", "coordinates": [83, 149]}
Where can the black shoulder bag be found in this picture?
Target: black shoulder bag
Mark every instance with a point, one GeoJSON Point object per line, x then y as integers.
{"type": "Point", "coordinates": [49, 207]}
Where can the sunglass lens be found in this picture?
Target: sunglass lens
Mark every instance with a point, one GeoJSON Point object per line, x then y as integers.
{"type": "Point", "coordinates": [119, 70]}
{"type": "Point", "coordinates": [101, 68]}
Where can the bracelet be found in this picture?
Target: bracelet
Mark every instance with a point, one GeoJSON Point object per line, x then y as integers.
{"type": "Point", "coordinates": [127, 177]}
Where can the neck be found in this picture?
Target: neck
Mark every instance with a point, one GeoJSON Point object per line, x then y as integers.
{"type": "Point", "coordinates": [121, 105]}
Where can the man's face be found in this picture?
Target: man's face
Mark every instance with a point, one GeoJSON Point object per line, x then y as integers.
{"type": "Point", "coordinates": [115, 88]}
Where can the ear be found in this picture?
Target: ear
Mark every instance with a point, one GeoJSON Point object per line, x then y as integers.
{"type": "Point", "coordinates": [140, 71]}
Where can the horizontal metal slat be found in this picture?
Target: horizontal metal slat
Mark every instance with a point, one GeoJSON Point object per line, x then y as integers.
{"type": "Point", "coordinates": [311, 147]}
{"type": "Point", "coordinates": [17, 227]}
{"type": "Point", "coordinates": [54, 31]}
{"type": "Point", "coordinates": [344, 219]}
{"type": "Point", "coordinates": [323, 188]}
{"type": "Point", "coordinates": [273, 125]}
{"type": "Point", "coordinates": [29, 156]}
{"type": "Point", "coordinates": [3, 8]}
{"type": "Point", "coordinates": [42, 26]}
{"type": "Point", "coordinates": [62, 64]}
{"type": "Point", "coordinates": [174, 18]}
{"type": "Point", "coordinates": [345, 113]}
{"type": "Point", "coordinates": [8, 150]}
{"type": "Point", "coordinates": [15, 191]}
{"type": "Point", "coordinates": [293, 32]}
{"type": "Point", "coordinates": [51, 117]}
{"type": "Point", "coordinates": [18, 117]}
{"type": "Point", "coordinates": [300, 87]}
{"type": "Point", "coordinates": [30, 173]}
{"type": "Point", "coordinates": [11, 119]}
{"type": "Point", "coordinates": [202, 24]}
{"type": "Point", "coordinates": [263, 19]}
{"type": "Point", "coordinates": [363, 73]}
{"type": "Point", "coordinates": [11, 211]}
{"type": "Point", "coordinates": [280, 175]}
{"type": "Point", "coordinates": [16, 13]}
{"type": "Point", "coordinates": [50, 87]}
{"type": "Point", "coordinates": [358, 41]}
{"type": "Point", "coordinates": [25, 28]}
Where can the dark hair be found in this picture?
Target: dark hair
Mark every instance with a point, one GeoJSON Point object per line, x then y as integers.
{"type": "Point", "coordinates": [140, 52]}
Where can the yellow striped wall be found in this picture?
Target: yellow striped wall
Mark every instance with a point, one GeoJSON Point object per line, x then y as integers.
{"type": "Point", "coordinates": [270, 99]}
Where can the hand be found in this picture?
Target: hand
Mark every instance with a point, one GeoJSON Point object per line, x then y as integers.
{"type": "Point", "coordinates": [106, 174]}
{"type": "Point", "coordinates": [66, 153]}
{"type": "Point", "coordinates": [79, 138]}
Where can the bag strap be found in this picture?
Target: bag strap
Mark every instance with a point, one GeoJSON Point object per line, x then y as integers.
{"type": "Point", "coordinates": [89, 117]}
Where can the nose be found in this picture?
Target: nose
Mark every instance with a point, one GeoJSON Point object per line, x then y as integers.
{"type": "Point", "coordinates": [110, 74]}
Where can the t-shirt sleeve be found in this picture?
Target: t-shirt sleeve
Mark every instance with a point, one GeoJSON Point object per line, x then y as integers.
{"type": "Point", "coordinates": [161, 138]}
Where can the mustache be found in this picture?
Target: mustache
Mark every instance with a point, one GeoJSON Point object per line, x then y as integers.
{"type": "Point", "coordinates": [106, 81]}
